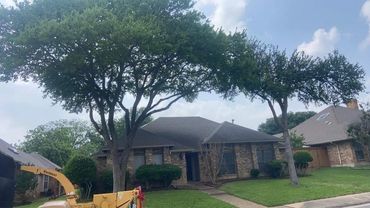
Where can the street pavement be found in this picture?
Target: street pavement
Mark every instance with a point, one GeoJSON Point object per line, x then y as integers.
{"type": "Point", "coordinates": [349, 201]}
{"type": "Point", "coordinates": [367, 205]}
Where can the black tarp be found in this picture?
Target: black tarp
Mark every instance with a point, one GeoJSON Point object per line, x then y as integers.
{"type": "Point", "coordinates": [7, 181]}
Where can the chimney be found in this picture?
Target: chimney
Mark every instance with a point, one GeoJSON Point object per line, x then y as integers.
{"type": "Point", "coordinates": [353, 104]}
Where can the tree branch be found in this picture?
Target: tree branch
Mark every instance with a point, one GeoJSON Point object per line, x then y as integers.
{"type": "Point", "coordinates": [271, 105]}
{"type": "Point", "coordinates": [167, 106]}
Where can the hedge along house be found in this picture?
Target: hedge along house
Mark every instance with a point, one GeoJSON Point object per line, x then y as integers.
{"type": "Point", "coordinates": [44, 183]}
{"type": "Point", "coordinates": [327, 130]}
{"type": "Point", "coordinates": [178, 141]}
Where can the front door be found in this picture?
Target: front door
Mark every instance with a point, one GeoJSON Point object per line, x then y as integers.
{"type": "Point", "coordinates": [192, 166]}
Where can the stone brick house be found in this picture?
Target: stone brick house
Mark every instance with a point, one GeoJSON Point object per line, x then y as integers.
{"type": "Point", "coordinates": [328, 130]}
{"type": "Point", "coordinates": [44, 183]}
{"type": "Point", "coordinates": [178, 140]}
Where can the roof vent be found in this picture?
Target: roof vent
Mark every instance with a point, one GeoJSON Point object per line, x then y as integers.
{"type": "Point", "coordinates": [328, 123]}
{"type": "Point", "coordinates": [12, 149]}
{"type": "Point", "coordinates": [322, 116]}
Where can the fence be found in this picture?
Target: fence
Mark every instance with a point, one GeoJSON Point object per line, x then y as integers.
{"type": "Point", "coordinates": [319, 155]}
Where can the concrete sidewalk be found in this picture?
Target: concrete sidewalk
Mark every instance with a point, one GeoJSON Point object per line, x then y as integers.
{"type": "Point", "coordinates": [340, 201]}
{"type": "Point", "coordinates": [221, 195]}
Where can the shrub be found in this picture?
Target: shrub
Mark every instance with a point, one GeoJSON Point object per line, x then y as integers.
{"type": "Point", "coordinates": [25, 182]}
{"type": "Point", "coordinates": [254, 173]}
{"type": "Point", "coordinates": [81, 170]}
{"type": "Point", "coordinates": [275, 168]}
{"type": "Point", "coordinates": [164, 174]}
{"type": "Point", "coordinates": [106, 181]}
{"type": "Point", "coordinates": [301, 160]}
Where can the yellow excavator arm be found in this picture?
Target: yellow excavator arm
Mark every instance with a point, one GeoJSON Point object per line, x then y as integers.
{"type": "Point", "coordinates": [122, 199]}
{"type": "Point", "coordinates": [62, 179]}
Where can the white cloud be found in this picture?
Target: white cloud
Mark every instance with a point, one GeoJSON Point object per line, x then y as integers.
{"type": "Point", "coordinates": [22, 108]}
{"type": "Point", "coordinates": [228, 14]}
{"type": "Point", "coordinates": [322, 42]}
{"type": "Point", "coordinates": [365, 12]}
{"type": "Point", "coordinates": [7, 2]}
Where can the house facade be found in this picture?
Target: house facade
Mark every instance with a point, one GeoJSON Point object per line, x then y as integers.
{"type": "Point", "coordinates": [179, 140]}
{"type": "Point", "coordinates": [44, 183]}
{"type": "Point", "coordinates": [328, 130]}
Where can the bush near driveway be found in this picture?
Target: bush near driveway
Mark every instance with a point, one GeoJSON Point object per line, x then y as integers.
{"type": "Point", "coordinates": [323, 183]}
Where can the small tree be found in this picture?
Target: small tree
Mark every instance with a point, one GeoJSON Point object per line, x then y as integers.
{"type": "Point", "coordinates": [360, 131]}
{"type": "Point", "coordinates": [269, 74]}
{"type": "Point", "coordinates": [212, 157]}
{"type": "Point", "coordinates": [296, 140]}
{"type": "Point", "coordinates": [81, 171]}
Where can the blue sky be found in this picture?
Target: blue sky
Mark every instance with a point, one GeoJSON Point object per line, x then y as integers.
{"type": "Point", "coordinates": [316, 27]}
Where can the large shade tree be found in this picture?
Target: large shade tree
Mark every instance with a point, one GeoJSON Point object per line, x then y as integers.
{"type": "Point", "coordinates": [294, 118]}
{"type": "Point", "coordinates": [106, 56]}
{"type": "Point", "coordinates": [60, 140]}
{"type": "Point", "coordinates": [264, 72]}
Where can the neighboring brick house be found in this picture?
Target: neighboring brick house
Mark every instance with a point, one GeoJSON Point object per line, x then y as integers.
{"type": "Point", "coordinates": [44, 183]}
{"type": "Point", "coordinates": [328, 130]}
{"type": "Point", "coordinates": [177, 140]}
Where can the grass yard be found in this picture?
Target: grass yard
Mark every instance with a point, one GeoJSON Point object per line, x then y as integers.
{"type": "Point", "coordinates": [182, 199]}
{"type": "Point", "coordinates": [323, 183]}
{"type": "Point", "coordinates": [168, 199]}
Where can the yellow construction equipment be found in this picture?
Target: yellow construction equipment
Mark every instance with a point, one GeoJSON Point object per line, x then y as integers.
{"type": "Point", "coordinates": [123, 199]}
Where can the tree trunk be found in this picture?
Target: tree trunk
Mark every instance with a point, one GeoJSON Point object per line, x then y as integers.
{"type": "Point", "coordinates": [117, 173]}
{"type": "Point", "coordinates": [288, 148]}
{"type": "Point", "coordinates": [120, 161]}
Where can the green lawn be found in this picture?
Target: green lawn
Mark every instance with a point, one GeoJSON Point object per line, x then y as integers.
{"type": "Point", "coordinates": [324, 183]}
{"type": "Point", "coordinates": [169, 199]}
{"type": "Point", "coordinates": [182, 199]}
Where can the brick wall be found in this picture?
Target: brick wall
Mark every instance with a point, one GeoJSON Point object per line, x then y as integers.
{"type": "Point", "coordinates": [244, 160]}
{"type": "Point", "coordinates": [178, 158]}
{"type": "Point", "coordinates": [341, 154]}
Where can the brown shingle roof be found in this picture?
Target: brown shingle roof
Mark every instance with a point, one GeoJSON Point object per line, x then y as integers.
{"type": "Point", "coordinates": [231, 133]}
{"type": "Point", "coordinates": [188, 133]}
{"type": "Point", "coordinates": [329, 125]}
{"type": "Point", "coordinates": [194, 131]}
